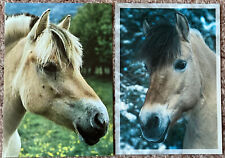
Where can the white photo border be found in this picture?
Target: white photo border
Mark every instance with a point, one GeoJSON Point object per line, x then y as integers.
{"type": "Point", "coordinates": [118, 151]}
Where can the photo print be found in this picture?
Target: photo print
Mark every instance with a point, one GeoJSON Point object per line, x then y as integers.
{"type": "Point", "coordinates": [58, 80]}
{"type": "Point", "coordinates": [167, 72]}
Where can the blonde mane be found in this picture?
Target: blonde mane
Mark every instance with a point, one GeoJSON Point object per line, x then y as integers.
{"type": "Point", "coordinates": [18, 26]}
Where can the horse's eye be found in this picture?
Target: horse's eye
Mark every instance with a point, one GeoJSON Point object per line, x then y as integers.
{"type": "Point", "coordinates": [50, 68]}
{"type": "Point", "coordinates": [180, 65]}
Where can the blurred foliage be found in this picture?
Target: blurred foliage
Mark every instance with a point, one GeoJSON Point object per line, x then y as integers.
{"type": "Point", "coordinates": [93, 26]}
{"type": "Point", "coordinates": [41, 137]}
{"type": "Point", "coordinates": [134, 79]}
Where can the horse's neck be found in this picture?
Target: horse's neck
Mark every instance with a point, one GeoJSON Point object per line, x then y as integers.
{"type": "Point", "coordinates": [17, 27]}
{"type": "Point", "coordinates": [13, 111]}
{"type": "Point", "coordinates": [201, 130]}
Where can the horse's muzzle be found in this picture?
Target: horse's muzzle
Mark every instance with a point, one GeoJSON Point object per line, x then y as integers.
{"type": "Point", "coordinates": [97, 129]}
{"type": "Point", "coordinates": [154, 127]}
{"type": "Point", "coordinates": [94, 124]}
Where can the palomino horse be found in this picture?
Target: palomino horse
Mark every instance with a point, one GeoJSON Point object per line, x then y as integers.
{"type": "Point", "coordinates": [183, 80]}
{"type": "Point", "coordinates": [42, 75]}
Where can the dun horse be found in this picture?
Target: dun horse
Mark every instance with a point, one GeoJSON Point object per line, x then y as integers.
{"type": "Point", "coordinates": [42, 75]}
{"type": "Point", "coordinates": [183, 80]}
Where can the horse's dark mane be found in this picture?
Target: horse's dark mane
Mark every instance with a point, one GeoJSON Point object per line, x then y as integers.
{"type": "Point", "coordinates": [161, 45]}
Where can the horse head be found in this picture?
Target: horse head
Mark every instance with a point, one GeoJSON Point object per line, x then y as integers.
{"type": "Point", "coordinates": [175, 80]}
{"type": "Point", "coordinates": [50, 84]}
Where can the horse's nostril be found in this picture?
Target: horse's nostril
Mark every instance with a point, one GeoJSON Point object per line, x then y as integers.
{"type": "Point", "coordinates": [153, 121]}
{"type": "Point", "coordinates": [99, 120]}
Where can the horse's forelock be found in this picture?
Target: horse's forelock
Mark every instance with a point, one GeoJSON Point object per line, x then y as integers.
{"type": "Point", "coordinates": [57, 43]}
{"type": "Point", "coordinates": [161, 46]}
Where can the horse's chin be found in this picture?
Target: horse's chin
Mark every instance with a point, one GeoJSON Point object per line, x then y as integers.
{"type": "Point", "coordinates": [88, 139]}
{"type": "Point", "coordinates": [158, 138]}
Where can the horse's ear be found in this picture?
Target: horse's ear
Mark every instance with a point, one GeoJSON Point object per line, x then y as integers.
{"type": "Point", "coordinates": [146, 27]}
{"type": "Point", "coordinates": [65, 23]}
{"type": "Point", "coordinates": [182, 26]}
{"type": "Point", "coordinates": [42, 23]}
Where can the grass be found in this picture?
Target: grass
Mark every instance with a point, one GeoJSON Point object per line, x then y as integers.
{"type": "Point", "coordinates": [41, 137]}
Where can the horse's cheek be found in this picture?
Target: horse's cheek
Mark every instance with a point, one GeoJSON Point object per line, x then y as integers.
{"type": "Point", "coordinates": [35, 102]}
{"type": "Point", "coordinates": [190, 98]}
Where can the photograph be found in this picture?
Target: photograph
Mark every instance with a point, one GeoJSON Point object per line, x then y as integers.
{"type": "Point", "coordinates": [58, 80]}
{"type": "Point", "coordinates": [167, 79]}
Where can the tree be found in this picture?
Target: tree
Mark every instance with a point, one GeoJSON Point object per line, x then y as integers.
{"type": "Point", "coordinates": [93, 26]}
